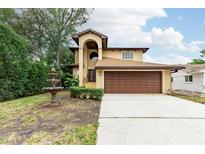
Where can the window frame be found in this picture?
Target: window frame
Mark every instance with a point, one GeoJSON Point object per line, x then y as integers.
{"type": "Point", "coordinates": [188, 78]}
{"type": "Point", "coordinates": [129, 55]}
{"type": "Point", "coordinates": [93, 51]}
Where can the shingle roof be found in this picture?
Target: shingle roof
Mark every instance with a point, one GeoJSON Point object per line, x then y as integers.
{"type": "Point", "coordinates": [89, 30]}
{"type": "Point", "coordinates": [194, 68]}
{"type": "Point", "coordinates": [111, 63]}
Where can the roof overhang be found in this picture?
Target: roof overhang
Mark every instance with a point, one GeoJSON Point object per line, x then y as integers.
{"type": "Point", "coordinates": [104, 37]}
{"type": "Point", "coordinates": [194, 68]}
{"type": "Point", "coordinates": [140, 67]}
{"type": "Point", "coordinates": [125, 48]}
{"type": "Point", "coordinates": [111, 63]}
{"type": "Point", "coordinates": [116, 48]}
{"type": "Point", "coordinates": [73, 48]}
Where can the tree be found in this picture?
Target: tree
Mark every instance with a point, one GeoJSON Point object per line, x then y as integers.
{"type": "Point", "coordinates": [13, 63]}
{"type": "Point", "coordinates": [199, 60]}
{"type": "Point", "coordinates": [7, 15]}
{"type": "Point", "coordinates": [19, 75]}
{"type": "Point", "coordinates": [47, 30]}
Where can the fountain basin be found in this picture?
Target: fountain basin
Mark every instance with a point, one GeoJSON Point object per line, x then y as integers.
{"type": "Point", "coordinates": [53, 89]}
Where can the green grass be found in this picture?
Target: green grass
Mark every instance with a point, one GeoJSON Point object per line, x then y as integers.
{"type": "Point", "coordinates": [29, 121]}
{"type": "Point", "coordinates": [3, 141]}
{"type": "Point", "coordinates": [85, 135]}
{"type": "Point", "coordinates": [9, 109]}
{"type": "Point", "coordinates": [196, 99]}
{"type": "Point", "coordinates": [41, 137]}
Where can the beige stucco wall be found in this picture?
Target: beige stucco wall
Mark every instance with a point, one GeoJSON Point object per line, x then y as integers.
{"type": "Point", "coordinates": [118, 54]}
{"type": "Point", "coordinates": [75, 71]}
{"type": "Point", "coordinates": [138, 55]}
{"type": "Point", "coordinates": [85, 63]}
{"type": "Point", "coordinates": [166, 81]}
{"type": "Point", "coordinates": [82, 56]}
{"type": "Point", "coordinates": [91, 64]}
{"type": "Point", "coordinates": [100, 79]}
{"type": "Point", "coordinates": [76, 56]}
{"type": "Point", "coordinates": [166, 78]}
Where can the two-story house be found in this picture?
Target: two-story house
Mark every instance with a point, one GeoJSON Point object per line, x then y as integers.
{"type": "Point", "coordinates": [117, 69]}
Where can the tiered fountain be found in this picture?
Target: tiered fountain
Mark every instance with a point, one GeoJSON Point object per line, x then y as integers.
{"type": "Point", "coordinates": [53, 90]}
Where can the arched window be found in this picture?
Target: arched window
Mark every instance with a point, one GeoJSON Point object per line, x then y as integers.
{"type": "Point", "coordinates": [93, 56]}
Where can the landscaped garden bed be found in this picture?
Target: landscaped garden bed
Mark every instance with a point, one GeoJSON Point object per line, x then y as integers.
{"type": "Point", "coordinates": [32, 120]}
{"type": "Point", "coordinates": [86, 93]}
{"type": "Point", "coordinates": [194, 98]}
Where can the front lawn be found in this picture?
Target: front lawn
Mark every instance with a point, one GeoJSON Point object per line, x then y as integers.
{"type": "Point", "coordinates": [196, 99]}
{"type": "Point", "coordinates": [31, 120]}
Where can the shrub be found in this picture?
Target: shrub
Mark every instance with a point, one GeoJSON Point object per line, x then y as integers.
{"type": "Point", "coordinates": [38, 73]}
{"type": "Point", "coordinates": [86, 93]}
{"type": "Point", "coordinates": [71, 81]}
{"type": "Point", "coordinates": [13, 63]}
{"type": "Point", "coordinates": [19, 74]}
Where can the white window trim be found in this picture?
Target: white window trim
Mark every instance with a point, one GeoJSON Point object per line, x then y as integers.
{"type": "Point", "coordinates": [188, 82]}
{"type": "Point", "coordinates": [127, 52]}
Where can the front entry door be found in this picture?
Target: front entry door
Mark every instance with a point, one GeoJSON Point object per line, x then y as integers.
{"type": "Point", "coordinates": [91, 75]}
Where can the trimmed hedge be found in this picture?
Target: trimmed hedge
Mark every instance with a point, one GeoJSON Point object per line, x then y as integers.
{"type": "Point", "coordinates": [89, 93]}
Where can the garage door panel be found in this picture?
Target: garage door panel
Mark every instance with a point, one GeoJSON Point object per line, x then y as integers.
{"type": "Point", "coordinates": [132, 82]}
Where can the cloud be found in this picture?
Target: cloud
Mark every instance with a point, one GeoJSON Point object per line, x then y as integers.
{"type": "Point", "coordinates": [169, 38]}
{"type": "Point", "coordinates": [168, 59]}
{"type": "Point", "coordinates": [125, 28]}
{"type": "Point", "coordinates": [179, 17]}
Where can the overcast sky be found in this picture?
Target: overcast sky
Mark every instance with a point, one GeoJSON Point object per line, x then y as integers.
{"type": "Point", "coordinates": [173, 35]}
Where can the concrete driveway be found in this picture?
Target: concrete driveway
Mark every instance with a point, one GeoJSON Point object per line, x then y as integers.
{"type": "Point", "coordinates": [150, 119]}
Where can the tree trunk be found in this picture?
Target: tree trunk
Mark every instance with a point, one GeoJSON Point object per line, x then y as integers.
{"type": "Point", "coordinates": [58, 57]}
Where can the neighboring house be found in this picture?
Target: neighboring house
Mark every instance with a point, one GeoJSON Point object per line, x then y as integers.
{"type": "Point", "coordinates": [192, 78]}
{"type": "Point", "coordinates": [117, 69]}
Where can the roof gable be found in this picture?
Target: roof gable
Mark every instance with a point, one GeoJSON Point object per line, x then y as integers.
{"type": "Point", "coordinates": [89, 31]}
{"type": "Point", "coordinates": [104, 37]}
{"type": "Point", "coordinates": [104, 41]}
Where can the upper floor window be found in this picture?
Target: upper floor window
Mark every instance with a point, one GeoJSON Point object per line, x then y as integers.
{"type": "Point", "coordinates": [128, 55]}
{"type": "Point", "coordinates": [188, 78]}
{"type": "Point", "coordinates": [93, 56]}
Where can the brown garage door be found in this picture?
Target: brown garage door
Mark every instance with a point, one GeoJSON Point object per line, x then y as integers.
{"type": "Point", "coordinates": [132, 82]}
